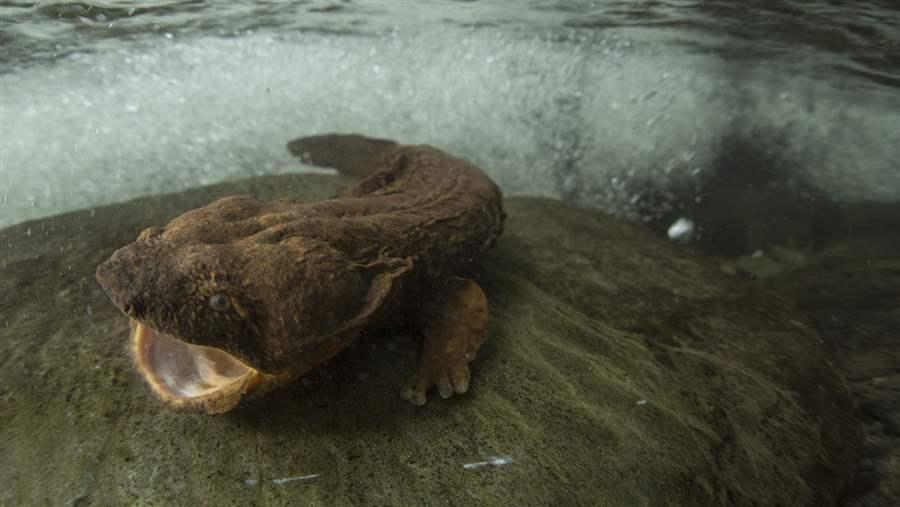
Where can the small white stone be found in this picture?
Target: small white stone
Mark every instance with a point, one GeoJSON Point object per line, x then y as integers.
{"type": "Point", "coordinates": [682, 230]}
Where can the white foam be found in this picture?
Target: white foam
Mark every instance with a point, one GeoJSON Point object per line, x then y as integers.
{"type": "Point", "coordinates": [584, 119]}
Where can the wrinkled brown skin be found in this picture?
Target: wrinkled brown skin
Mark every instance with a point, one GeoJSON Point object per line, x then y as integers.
{"type": "Point", "coordinates": [304, 279]}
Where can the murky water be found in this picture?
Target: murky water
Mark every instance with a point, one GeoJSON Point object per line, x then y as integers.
{"type": "Point", "coordinates": [615, 105]}
{"type": "Point", "coordinates": [766, 132]}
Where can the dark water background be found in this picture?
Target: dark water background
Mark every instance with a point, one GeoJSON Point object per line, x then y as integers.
{"type": "Point", "coordinates": [623, 106]}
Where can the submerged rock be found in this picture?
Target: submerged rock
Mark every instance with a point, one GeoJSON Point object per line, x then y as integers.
{"type": "Point", "coordinates": [619, 370]}
{"type": "Point", "coordinates": [851, 291]}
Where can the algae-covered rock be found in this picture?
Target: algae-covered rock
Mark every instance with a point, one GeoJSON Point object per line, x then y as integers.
{"type": "Point", "coordinates": [619, 370]}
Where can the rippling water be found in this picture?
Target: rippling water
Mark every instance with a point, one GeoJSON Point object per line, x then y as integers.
{"type": "Point", "coordinates": [622, 106]}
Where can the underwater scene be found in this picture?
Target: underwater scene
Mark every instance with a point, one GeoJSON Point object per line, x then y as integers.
{"type": "Point", "coordinates": [472, 252]}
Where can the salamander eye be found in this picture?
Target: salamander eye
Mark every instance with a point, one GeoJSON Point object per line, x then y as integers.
{"type": "Point", "coordinates": [219, 302]}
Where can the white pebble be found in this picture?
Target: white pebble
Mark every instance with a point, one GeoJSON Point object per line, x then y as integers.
{"type": "Point", "coordinates": [682, 230]}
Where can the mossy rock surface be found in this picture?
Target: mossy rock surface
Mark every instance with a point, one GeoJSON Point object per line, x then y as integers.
{"type": "Point", "coordinates": [620, 370]}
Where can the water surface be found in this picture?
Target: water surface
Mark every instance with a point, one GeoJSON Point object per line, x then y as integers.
{"type": "Point", "coordinates": [622, 106]}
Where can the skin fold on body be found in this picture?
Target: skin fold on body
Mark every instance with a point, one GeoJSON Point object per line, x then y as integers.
{"type": "Point", "coordinates": [234, 299]}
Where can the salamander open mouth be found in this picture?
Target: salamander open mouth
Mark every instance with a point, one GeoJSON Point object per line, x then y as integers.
{"type": "Point", "coordinates": [192, 377]}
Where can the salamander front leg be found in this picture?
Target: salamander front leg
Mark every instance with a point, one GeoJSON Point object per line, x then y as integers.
{"type": "Point", "coordinates": [454, 327]}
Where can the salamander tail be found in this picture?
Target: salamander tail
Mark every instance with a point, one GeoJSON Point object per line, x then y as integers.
{"type": "Point", "coordinates": [350, 154]}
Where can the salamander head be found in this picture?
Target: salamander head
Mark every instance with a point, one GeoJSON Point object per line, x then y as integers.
{"type": "Point", "coordinates": [213, 321]}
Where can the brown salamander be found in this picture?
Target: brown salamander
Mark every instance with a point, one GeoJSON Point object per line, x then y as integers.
{"type": "Point", "coordinates": [241, 296]}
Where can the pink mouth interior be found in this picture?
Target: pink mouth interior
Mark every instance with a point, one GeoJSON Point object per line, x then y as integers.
{"type": "Point", "coordinates": [181, 371]}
